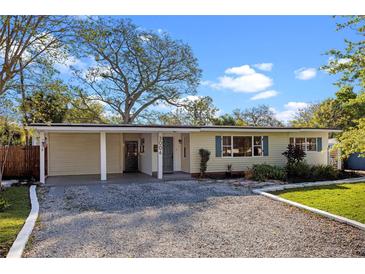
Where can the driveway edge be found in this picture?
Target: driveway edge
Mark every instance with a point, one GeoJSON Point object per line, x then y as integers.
{"type": "Point", "coordinates": [314, 210]}
{"type": "Point", "coordinates": [21, 240]}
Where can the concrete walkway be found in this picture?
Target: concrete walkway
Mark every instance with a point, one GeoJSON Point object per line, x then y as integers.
{"type": "Point", "coordinates": [124, 178]}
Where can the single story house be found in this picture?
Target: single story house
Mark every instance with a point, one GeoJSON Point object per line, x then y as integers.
{"type": "Point", "coordinates": [77, 149]}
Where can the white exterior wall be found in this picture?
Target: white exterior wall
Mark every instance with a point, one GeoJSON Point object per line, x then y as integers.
{"type": "Point", "coordinates": [278, 143]}
{"type": "Point", "coordinates": [113, 153]}
{"type": "Point", "coordinates": [314, 157]}
{"type": "Point", "coordinates": [79, 153]}
{"type": "Point", "coordinates": [146, 156]}
{"type": "Point", "coordinates": [154, 154]}
{"type": "Point", "coordinates": [176, 148]}
{"type": "Point", "coordinates": [185, 161]}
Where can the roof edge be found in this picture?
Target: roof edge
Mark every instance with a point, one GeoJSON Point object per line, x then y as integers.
{"type": "Point", "coordinates": [200, 128]}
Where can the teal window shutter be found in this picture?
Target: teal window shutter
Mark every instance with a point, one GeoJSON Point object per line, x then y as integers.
{"type": "Point", "coordinates": [218, 146]}
{"type": "Point", "coordinates": [319, 144]}
{"type": "Point", "coordinates": [265, 144]}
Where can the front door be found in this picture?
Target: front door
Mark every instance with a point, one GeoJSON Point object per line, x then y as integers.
{"type": "Point", "coordinates": [168, 157]}
{"type": "Point", "coordinates": [131, 156]}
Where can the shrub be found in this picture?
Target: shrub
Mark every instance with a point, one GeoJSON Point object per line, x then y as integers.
{"type": "Point", "coordinates": [298, 170]}
{"type": "Point", "coordinates": [204, 158]}
{"type": "Point", "coordinates": [3, 204]}
{"type": "Point", "coordinates": [324, 172]}
{"type": "Point", "coordinates": [304, 172]}
{"type": "Point", "coordinates": [294, 154]}
{"type": "Point", "coordinates": [263, 172]}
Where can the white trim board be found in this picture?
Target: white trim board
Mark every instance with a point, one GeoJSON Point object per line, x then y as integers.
{"type": "Point", "coordinates": [21, 240]}
{"type": "Point", "coordinates": [310, 184]}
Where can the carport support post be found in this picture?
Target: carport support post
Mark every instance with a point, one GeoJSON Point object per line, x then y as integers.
{"type": "Point", "coordinates": [159, 155]}
{"type": "Point", "coordinates": [102, 156]}
{"type": "Point", "coordinates": [42, 144]}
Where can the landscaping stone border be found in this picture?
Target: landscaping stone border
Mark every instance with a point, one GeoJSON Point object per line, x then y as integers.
{"type": "Point", "coordinates": [309, 184]}
{"type": "Point", "coordinates": [341, 219]}
{"type": "Point", "coordinates": [21, 240]}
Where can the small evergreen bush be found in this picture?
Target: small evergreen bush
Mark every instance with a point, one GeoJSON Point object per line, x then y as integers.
{"type": "Point", "coordinates": [264, 172]}
{"type": "Point", "coordinates": [204, 158]}
{"type": "Point", "coordinates": [324, 172]}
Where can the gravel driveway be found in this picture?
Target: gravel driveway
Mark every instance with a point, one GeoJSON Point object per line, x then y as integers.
{"type": "Point", "coordinates": [182, 219]}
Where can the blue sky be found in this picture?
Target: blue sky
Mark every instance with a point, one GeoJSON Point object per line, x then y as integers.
{"type": "Point", "coordinates": [289, 43]}
{"type": "Point", "coordinates": [253, 60]}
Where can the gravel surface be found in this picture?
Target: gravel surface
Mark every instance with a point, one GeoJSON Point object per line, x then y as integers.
{"type": "Point", "coordinates": [182, 219]}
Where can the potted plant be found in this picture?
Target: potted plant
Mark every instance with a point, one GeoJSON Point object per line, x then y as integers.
{"type": "Point", "coordinates": [229, 171]}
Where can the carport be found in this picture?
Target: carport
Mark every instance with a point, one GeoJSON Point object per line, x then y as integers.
{"type": "Point", "coordinates": [94, 153]}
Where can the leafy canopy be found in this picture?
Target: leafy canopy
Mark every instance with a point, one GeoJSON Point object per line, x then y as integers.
{"type": "Point", "coordinates": [134, 68]}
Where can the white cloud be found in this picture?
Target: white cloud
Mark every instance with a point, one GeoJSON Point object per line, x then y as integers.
{"type": "Point", "coordinates": [296, 105]}
{"type": "Point", "coordinates": [191, 97]}
{"type": "Point", "coordinates": [264, 66]}
{"type": "Point", "coordinates": [305, 73]}
{"type": "Point", "coordinates": [242, 70]}
{"type": "Point", "coordinates": [241, 79]}
{"type": "Point", "coordinates": [290, 109]}
{"type": "Point", "coordinates": [79, 64]}
{"type": "Point", "coordinates": [265, 95]}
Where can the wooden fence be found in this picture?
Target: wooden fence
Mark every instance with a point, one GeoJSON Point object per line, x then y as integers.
{"type": "Point", "coordinates": [21, 162]}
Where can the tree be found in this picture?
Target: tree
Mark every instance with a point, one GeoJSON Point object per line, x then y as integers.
{"type": "Point", "coordinates": [342, 111]}
{"type": "Point", "coordinates": [199, 111]}
{"type": "Point", "coordinates": [353, 140]}
{"type": "Point", "coordinates": [349, 64]}
{"type": "Point", "coordinates": [134, 69]}
{"type": "Point", "coordinates": [304, 116]}
{"type": "Point", "coordinates": [175, 117]}
{"type": "Point", "coordinates": [229, 120]}
{"type": "Point", "coordinates": [261, 115]}
{"type": "Point", "coordinates": [53, 102]}
{"type": "Point", "coordinates": [48, 104]}
{"type": "Point", "coordinates": [81, 111]}
{"type": "Point", "coordinates": [25, 39]}
{"type": "Point", "coordinates": [195, 111]}
{"type": "Point", "coordinates": [10, 133]}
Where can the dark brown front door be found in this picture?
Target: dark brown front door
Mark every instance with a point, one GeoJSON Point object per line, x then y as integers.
{"type": "Point", "coordinates": [131, 156]}
{"type": "Point", "coordinates": [168, 157]}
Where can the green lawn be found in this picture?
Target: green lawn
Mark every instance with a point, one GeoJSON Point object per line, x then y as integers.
{"type": "Point", "coordinates": [13, 218]}
{"type": "Point", "coordinates": [347, 200]}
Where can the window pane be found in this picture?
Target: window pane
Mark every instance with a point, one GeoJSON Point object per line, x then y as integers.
{"type": "Point", "coordinates": [242, 146]}
{"type": "Point", "coordinates": [300, 142]}
{"type": "Point", "coordinates": [227, 151]}
{"type": "Point", "coordinates": [257, 140]}
{"type": "Point", "coordinates": [257, 151]}
{"type": "Point", "coordinates": [291, 141]}
{"type": "Point", "coordinates": [312, 144]}
{"type": "Point", "coordinates": [226, 140]}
